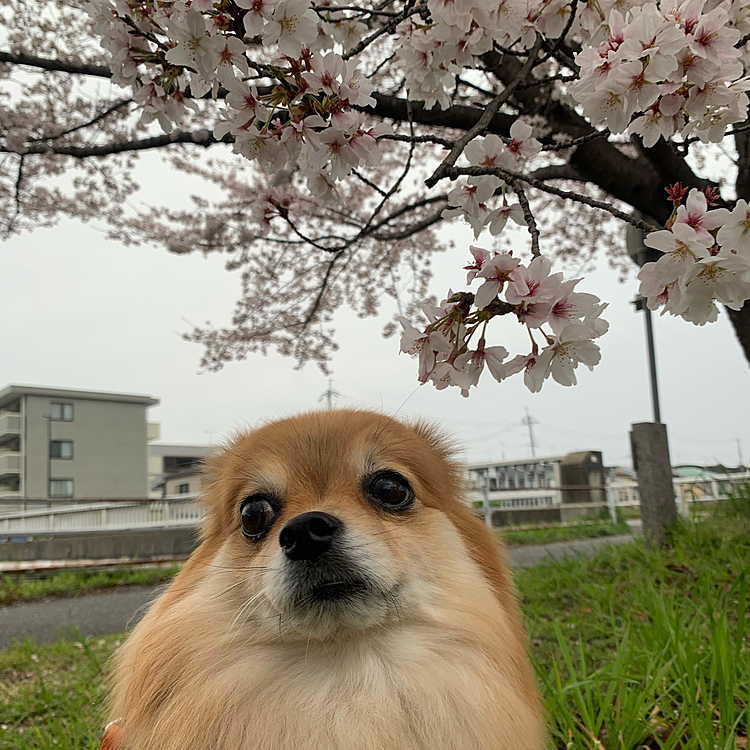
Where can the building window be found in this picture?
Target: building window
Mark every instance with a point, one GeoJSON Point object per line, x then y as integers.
{"type": "Point", "coordinates": [61, 488]}
{"type": "Point", "coordinates": [183, 489]}
{"type": "Point", "coordinates": [61, 412]}
{"type": "Point", "coordinates": [61, 449]}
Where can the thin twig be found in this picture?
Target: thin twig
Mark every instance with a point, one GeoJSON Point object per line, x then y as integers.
{"type": "Point", "coordinates": [387, 28]}
{"type": "Point", "coordinates": [101, 116]}
{"type": "Point", "coordinates": [19, 180]}
{"type": "Point", "coordinates": [544, 187]}
{"type": "Point", "coordinates": [577, 141]}
{"type": "Point", "coordinates": [367, 182]}
{"type": "Point", "coordinates": [417, 139]}
{"type": "Point", "coordinates": [320, 9]}
{"type": "Point", "coordinates": [556, 45]}
{"type": "Point", "coordinates": [527, 215]}
{"type": "Point", "coordinates": [486, 118]}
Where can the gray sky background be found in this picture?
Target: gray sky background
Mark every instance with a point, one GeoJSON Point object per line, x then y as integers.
{"type": "Point", "coordinates": [81, 311]}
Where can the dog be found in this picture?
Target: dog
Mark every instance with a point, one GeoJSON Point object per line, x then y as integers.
{"type": "Point", "coordinates": [343, 597]}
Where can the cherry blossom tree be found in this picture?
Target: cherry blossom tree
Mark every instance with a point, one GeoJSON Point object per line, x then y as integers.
{"type": "Point", "coordinates": [341, 139]}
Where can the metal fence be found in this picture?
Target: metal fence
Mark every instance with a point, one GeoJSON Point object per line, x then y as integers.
{"type": "Point", "coordinates": [103, 517]}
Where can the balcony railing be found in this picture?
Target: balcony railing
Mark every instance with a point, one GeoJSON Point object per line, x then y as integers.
{"type": "Point", "coordinates": [10, 426]}
{"type": "Point", "coordinates": [10, 463]}
{"type": "Point", "coordinates": [103, 516]}
{"type": "Point", "coordinates": [10, 423]}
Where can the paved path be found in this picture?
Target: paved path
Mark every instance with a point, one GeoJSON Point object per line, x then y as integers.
{"type": "Point", "coordinates": [117, 611]}
{"type": "Point", "coordinates": [525, 557]}
{"type": "Point", "coordinates": [90, 614]}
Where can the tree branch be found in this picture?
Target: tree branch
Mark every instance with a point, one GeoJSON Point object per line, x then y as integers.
{"type": "Point", "coordinates": [199, 138]}
{"type": "Point", "coordinates": [557, 172]}
{"type": "Point", "coordinates": [486, 118]}
{"type": "Point", "coordinates": [567, 194]}
{"type": "Point", "coordinates": [98, 118]}
{"type": "Point", "coordinates": [458, 117]}
{"type": "Point", "coordinates": [63, 66]}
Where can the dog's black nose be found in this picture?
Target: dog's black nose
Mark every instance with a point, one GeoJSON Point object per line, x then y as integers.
{"type": "Point", "coordinates": [309, 535]}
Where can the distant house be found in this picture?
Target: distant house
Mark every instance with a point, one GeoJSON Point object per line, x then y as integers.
{"type": "Point", "coordinates": [183, 484]}
{"type": "Point", "coordinates": [169, 462]}
{"type": "Point", "coordinates": [67, 444]}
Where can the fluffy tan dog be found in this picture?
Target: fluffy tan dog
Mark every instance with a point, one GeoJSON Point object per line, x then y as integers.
{"type": "Point", "coordinates": [343, 598]}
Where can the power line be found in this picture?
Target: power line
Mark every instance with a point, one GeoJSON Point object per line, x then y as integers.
{"type": "Point", "coordinates": [329, 394]}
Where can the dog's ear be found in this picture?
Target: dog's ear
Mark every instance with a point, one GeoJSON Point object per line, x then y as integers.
{"type": "Point", "coordinates": [223, 472]}
{"type": "Point", "coordinates": [451, 487]}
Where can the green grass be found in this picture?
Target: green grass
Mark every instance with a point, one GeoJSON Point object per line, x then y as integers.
{"type": "Point", "coordinates": [634, 650]}
{"type": "Point", "coordinates": [21, 588]}
{"type": "Point", "coordinates": [588, 530]}
{"type": "Point", "coordinates": [53, 696]}
{"type": "Point", "coordinates": [628, 512]}
{"type": "Point", "coordinates": [639, 649]}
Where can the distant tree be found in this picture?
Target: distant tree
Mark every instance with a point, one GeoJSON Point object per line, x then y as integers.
{"type": "Point", "coordinates": [365, 127]}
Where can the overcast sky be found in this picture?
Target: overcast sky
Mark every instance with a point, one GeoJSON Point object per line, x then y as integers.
{"type": "Point", "coordinates": [80, 311]}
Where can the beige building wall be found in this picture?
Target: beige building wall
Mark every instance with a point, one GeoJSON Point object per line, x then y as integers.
{"type": "Point", "coordinates": [193, 481]}
{"type": "Point", "coordinates": [109, 448]}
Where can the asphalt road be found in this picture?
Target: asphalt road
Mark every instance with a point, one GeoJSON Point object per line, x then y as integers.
{"type": "Point", "coordinates": [117, 611]}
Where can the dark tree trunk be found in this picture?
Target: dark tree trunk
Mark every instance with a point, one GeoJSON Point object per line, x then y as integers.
{"type": "Point", "coordinates": [741, 318]}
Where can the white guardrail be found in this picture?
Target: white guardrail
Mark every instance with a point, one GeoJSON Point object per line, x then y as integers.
{"type": "Point", "coordinates": [687, 491]}
{"type": "Point", "coordinates": [119, 516]}
{"type": "Point", "coordinates": [187, 511]}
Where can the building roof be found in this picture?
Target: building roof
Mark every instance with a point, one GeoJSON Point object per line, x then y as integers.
{"type": "Point", "coordinates": [12, 392]}
{"type": "Point", "coordinates": [514, 462]}
{"type": "Point", "coordinates": [180, 450]}
{"type": "Point", "coordinates": [193, 471]}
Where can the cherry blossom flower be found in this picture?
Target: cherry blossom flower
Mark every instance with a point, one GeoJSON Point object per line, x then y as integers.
{"type": "Point", "coordinates": [569, 305]}
{"type": "Point", "coordinates": [498, 218]}
{"type": "Point", "coordinates": [496, 271]}
{"type": "Point", "coordinates": [195, 47]}
{"type": "Point", "coordinates": [735, 233]}
{"type": "Point", "coordinates": [535, 370]}
{"type": "Point", "coordinates": [292, 25]}
{"type": "Point", "coordinates": [480, 258]}
{"type": "Point", "coordinates": [521, 145]}
{"type": "Point", "coordinates": [696, 215]}
{"type": "Point", "coordinates": [426, 344]}
{"type": "Point", "coordinates": [471, 363]}
{"type": "Point", "coordinates": [532, 283]}
{"type": "Point", "coordinates": [681, 246]}
{"type": "Point", "coordinates": [573, 346]}
{"type": "Point", "coordinates": [259, 13]}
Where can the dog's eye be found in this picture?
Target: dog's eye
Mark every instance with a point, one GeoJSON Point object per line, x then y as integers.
{"type": "Point", "coordinates": [257, 516]}
{"type": "Point", "coordinates": [389, 490]}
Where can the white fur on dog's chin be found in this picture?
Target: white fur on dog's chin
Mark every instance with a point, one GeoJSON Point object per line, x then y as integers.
{"type": "Point", "coordinates": [386, 597]}
{"type": "Point", "coordinates": [418, 682]}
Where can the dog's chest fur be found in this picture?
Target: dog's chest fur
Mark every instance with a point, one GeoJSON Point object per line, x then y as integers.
{"type": "Point", "coordinates": [414, 690]}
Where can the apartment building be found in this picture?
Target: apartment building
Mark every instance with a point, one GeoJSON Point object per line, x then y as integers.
{"type": "Point", "coordinates": [61, 443]}
{"type": "Point", "coordinates": [540, 489]}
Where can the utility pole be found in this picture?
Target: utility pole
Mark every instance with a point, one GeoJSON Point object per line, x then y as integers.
{"type": "Point", "coordinates": [739, 452]}
{"type": "Point", "coordinates": [329, 395]}
{"type": "Point", "coordinates": [529, 421]}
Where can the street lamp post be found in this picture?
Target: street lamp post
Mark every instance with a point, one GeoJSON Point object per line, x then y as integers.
{"type": "Point", "coordinates": [648, 440]}
{"type": "Point", "coordinates": [641, 254]}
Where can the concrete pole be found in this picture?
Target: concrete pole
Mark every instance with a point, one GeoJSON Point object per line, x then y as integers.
{"type": "Point", "coordinates": [648, 443]}
{"type": "Point", "coordinates": [486, 500]}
